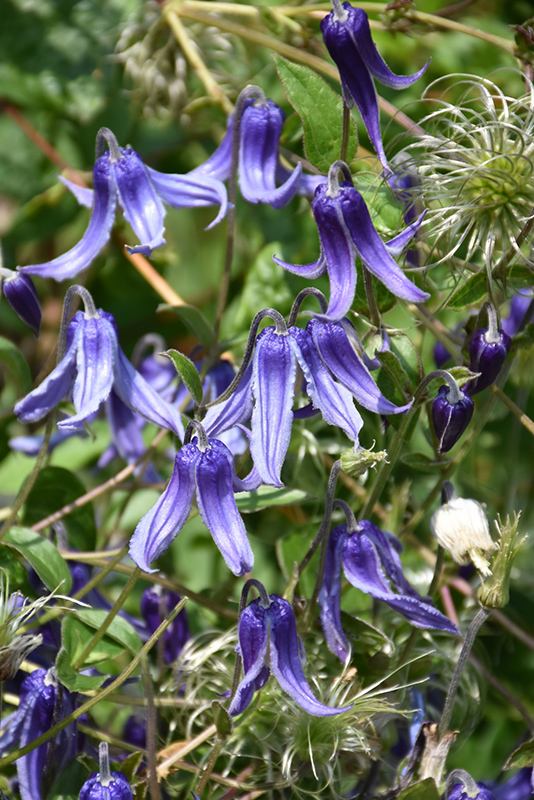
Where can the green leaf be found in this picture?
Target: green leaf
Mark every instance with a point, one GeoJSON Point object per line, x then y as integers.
{"type": "Point", "coordinates": [522, 757]}
{"type": "Point", "coordinates": [120, 629]}
{"type": "Point", "coordinates": [385, 210]}
{"type": "Point", "coordinates": [321, 112]}
{"type": "Point", "coordinates": [42, 555]}
{"type": "Point", "coordinates": [55, 488]}
{"type": "Point", "coordinates": [408, 355]}
{"type": "Point", "coordinates": [72, 679]}
{"type": "Point", "coordinates": [16, 364]}
{"type": "Point", "coordinates": [472, 292]}
{"type": "Point", "coordinates": [268, 496]}
{"type": "Point", "coordinates": [187, 372]}
{"type": "Point", "coordinates": [422, 790]}
{"type": "Point", "coordinates": [383, 297]}
{"type": "Point", "coordinates": [392, 365]}
{"type": "Point", "coordinates": [195, 320]}
{"type": "Point", "coordinates": [222, 719]}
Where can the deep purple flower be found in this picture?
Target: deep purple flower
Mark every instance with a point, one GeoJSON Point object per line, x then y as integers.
{"type": "Point", "coordinates": [105, 785]}
{"type": "Point", "coordinates": [451, 414]}
{"type": "Point", "coordinates": [346, 230]}
{"type": "Point", "coordinates": [487, 354]}
{"type": "Point", "coordinates": [460, 792]}
{"type": "Point", "coordinates": [42, 699]}
{"type": "Point", "coordinates": [518, 307]}
{"type": "Point", "coordinates": [204, 467]}
{"type": "Point", "coordinates": [370, 561]}
{"type": "Point", "coordinates": [519, 787]}
{"type": "Point", "coordinates": [156, 605]}
{"type": "Point", "coordinates": [141, 192]}
{"type": "Point", "coordinates": [20, 293]}
{"type": "Point", "coordinates": [268, 642]}
{"type": "Point", "coordinates": [93, 365]}
{"type": "Point", "coordinates": [347, 36]}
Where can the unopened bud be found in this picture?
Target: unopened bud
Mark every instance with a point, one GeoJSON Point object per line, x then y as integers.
{"type": "Point", "coordinates": [461, 527]}
{"type": "Point", "coordinates": [495, 592]}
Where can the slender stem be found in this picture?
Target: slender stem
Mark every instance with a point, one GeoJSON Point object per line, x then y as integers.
{"type": "Point", "coordinates": [499, 270]}
{"type": "Point", "coordinates": [151, 276]}
{"type": "Point", "coordinates": [325, 523]}
{"type": "Point", "coordinates": [193, 57]}
{"type": "Point", "coordinates": [103, 693]}
{"type": "Point", "coordinates": [477, 622]}
{"type": "Point", "coordinates": [434, 583]}
{"type": "Point", "coordinates": [101, 632]}
{"type": "Point", "coordinates": [374, 313]}
{"type": "Point", "coordinates": [192, 744]}
{"type": "Point", "coordinates": [151, 727]}
{"type": "Point", "coordinates": [516, 411]}
{"type": "Point", "coordinates": [217, 747]}
{"type": "Point", "coordinates": [299, 299]}
{"type": "Point", "coordinates": [346, 133]}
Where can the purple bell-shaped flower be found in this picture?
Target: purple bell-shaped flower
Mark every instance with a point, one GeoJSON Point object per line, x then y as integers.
{"type": "Point", "coordinates": [487, 353]}
{"type": "Point", "coordinates": [93, 365]}
{"type": "Point", "coordinates": [156, 604]}
{"type": "Point", "coordinates": [346, 230]}
{"type": "Point", "coordinates": [268, 642]}
{"type": "Point", "coordinates": [347, 36]}
{"type": "Point", "coordinates": [452, 410]}
{"type": "Point", "coordinates": [461, 786]}
{"type": "Point", "coordinates": [20, 293]}
{"type": "Point", "coordinates": [105, 785]}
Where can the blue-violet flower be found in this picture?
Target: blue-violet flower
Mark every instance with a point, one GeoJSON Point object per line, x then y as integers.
{"type": "Point", "coordinates": [21, 295]}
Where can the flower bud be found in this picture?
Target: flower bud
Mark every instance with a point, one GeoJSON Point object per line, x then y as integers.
{"type": "Point", "coordinates": [20, 293]}
{"type": "Point", "coordinates": [495, 593]}
{"type": "Point", "coordinates": [487, 353]}
{"type": "Point", "coordinates": [461, 527]}
{"type": "Point", "coordinates": [450, 417]}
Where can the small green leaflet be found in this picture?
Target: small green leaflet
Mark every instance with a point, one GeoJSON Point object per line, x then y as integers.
{"type": "Point", "coordinates": [321, 112]}
{"type": "Point", "coordinates": [43, 557]}
{"type": "Point", "coordinates": [187, 372]}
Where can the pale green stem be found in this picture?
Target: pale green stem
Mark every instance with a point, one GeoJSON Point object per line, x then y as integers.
{"type": "Point", "coordinates": [93, 701]}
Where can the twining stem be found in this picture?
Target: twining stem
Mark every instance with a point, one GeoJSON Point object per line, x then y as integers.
{"type": "Point", "coordinates": [214, 755]}
{"type": "Point", "coordinates": [151, 728]}
{"type": "Point", "coordinates": [346, 133]}
{"type": "Point", "coordinates": [101, 632]}
{"type": "Point", "coordinates": [516, 411]}
{"type": "Point", "coordinates": [102, 694]}
{"type": "Point", "coordinates": [476, 623]}
{"type": "Point", "coordinates": [193, 57]}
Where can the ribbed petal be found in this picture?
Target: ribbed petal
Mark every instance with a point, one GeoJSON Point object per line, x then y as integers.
{"type": "Point", "coordinates": [126, 428]}
{"type": "Point", "coordinates": [360, 31]}
{"type": "Point", "coordinates": [160, 526]}
{"type": "Point", "coordinates": [21, 295]}
{"type": "Point", "coordinates": [261, 126]}
{"type": "Point", "coordinates": [94, 238]}
{"type": "Point", "coordinates": [139, 396]}
{"type": "Point", "coordinates": [308, 183]}
{"type": "Point", "coordinates": [83, 195]}
{"type": "Point", "coordinates": [253, 636]}
{"type": "Point", "coordinates": [219, 164]}
{"type": "Point", "coordinates": [53, 389]}
{"type": "Point", "coordinates": [396, 245]}
{"type": "Point", "coordinates": [237, 409]}
{"type": "Point", "coordinates": [273, 382]}
{"type": "Point", "coordinates": [363, 568]}
{"type": "Point", "coordinates": [334, 401]}
{"type": "Point", "coordinates": [139, 200]}
{"type": "Point", "coordinates": [338, 251]}
{"type": "Point", "coordinates": [338, 354]}
{"type": "Point", "coordinates": [330, 596]}
{"type": "Point", "coordinates": [371, 249]}
{"type": "Point", "coordinates": [216, 503]}
{"type": "Point", "coordinates": [191, 191]}
{"type": "Point", "coordinates": [311, 271]}
{"type": "Point", "coordinates": [38, 720]}
{"type": "Point", "coordinates": [356, 80]}
{"type": "Point", "coordinates": [94, 363]}
{"type": "Point", "coordinates": [285, 660]}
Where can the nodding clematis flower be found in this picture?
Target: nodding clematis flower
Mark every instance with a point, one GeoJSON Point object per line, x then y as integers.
{"type": "Point", "coordinates": [43, 701]}
{"type": "Point", "coordinates": [141, 192]}
{"type": "Point", "coordinates": [346, 230]}
{"type": "Point", "coordinates": [20, 293]}
{"type": "Point", "coordinates": [487, 353]}
{"type": "Point", "coordinates": [93, 365]}
{"type": "Point", "coordinates": [347, 37]}
{"type": "Point", "coordinates": [204, 467]}
{"type": "Point", "coordinates": [268, 641]}
{"type": "Point", "coordinates": [452, 410]}
{"type": "Point", "coordinates": [370, 561]}
{"type": "Point", "coordinates": [156, 604]}
{"type": "Point", "coordinates": [105, 785]}
{"type": "Point", "coordinates": [461, 786]}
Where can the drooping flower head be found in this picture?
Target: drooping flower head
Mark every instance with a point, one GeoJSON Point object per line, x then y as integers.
{"type": "Point", "coordinates": [347, 36]}
{"type": "Point", "coordinates": [120, 173]}
{"type": "Point", "coordinates": [93, 364]}
{"type": "Point", "coordinates": [452, 410]}
{"type": "Point", "coordinates": [205, 468]}
{"type": "Point", "coordinates": [268, 642]}
{"type": "Point", "coordinates": [370, 560]}
{"type": "Point", "coordinates": [20, 293]}
{"type": "Point", "coordinates": [487, 353]}
{"type": "Point", "coordinates": [345, 230]}
{"type": "Point", "coordinates": [105, 785]}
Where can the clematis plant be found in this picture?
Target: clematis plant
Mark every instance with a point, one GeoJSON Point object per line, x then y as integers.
{"type": "Point", "coordinates": [346, 230]}
{"type": "Point", "coordinates": [141, 191]}
{"type": "Point", "coordinates": [204, 467]}
{"type": "Point", "coordinates": [370, 560]}
{"type": "Point", "coordinates": [91, 362]}
{"type": "Point", "coordinates": [268, 641]}
{"type": "Point", "coordinates": [21, 295]}
{"type": "Point", "coordinates": [348, 39]}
